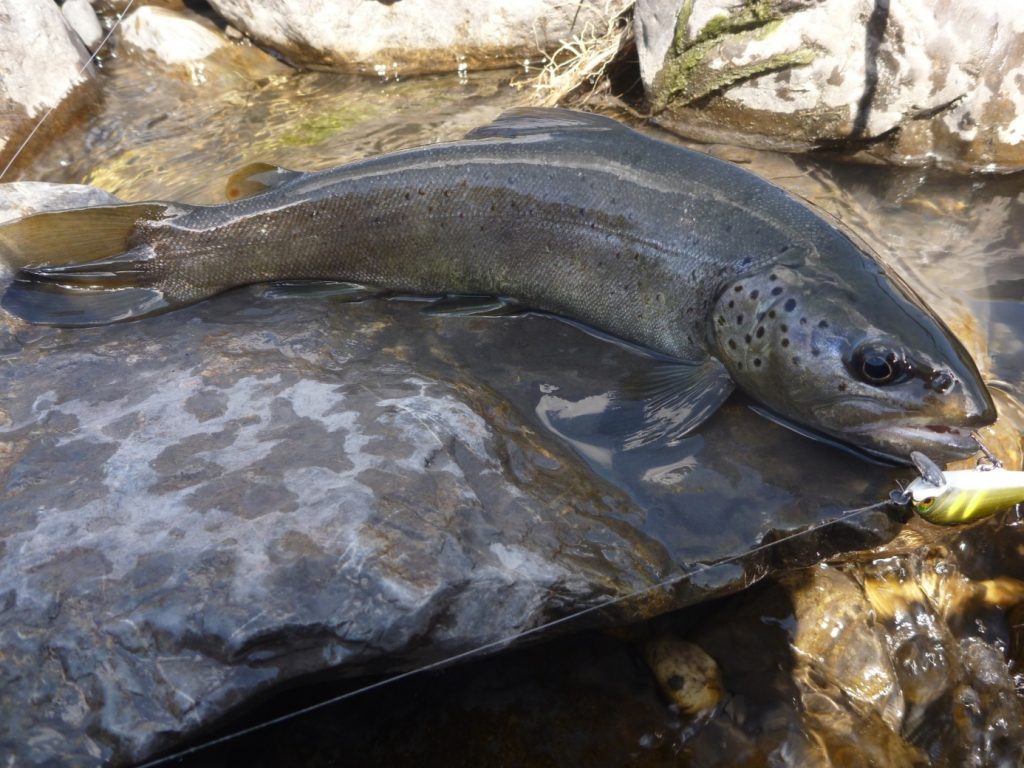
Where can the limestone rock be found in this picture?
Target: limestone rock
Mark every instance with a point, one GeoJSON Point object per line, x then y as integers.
{"type": "Point", "coordinates": [412, 36]}
{"type": "Point", "coordinates": [43, 66]}
{"type": "Point", "coordinates": [908, 83]}
{"type": "Point", "coordinates": [184, 41]}
{"type": "Point", "coordinates": [82, 18]}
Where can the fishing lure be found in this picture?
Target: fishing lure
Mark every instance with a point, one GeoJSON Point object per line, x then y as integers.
{"type": "Point", "coordinates": [961, 496]}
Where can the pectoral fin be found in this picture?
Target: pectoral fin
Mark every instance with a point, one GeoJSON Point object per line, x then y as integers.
{"type": "Point", "coordinates": [678, 397]}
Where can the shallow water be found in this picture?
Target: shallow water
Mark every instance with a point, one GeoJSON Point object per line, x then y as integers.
{"type": "Point", "coordinates": [957, 239]}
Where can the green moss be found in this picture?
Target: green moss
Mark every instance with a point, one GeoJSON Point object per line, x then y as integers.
{"type": "Point", "coordinates": [686, 75]}
{"type": "Point", "coordinates": [319, 127]}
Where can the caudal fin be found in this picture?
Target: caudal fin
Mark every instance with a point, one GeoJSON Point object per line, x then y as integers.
{"type": "Point", "coordinates": [77, 267]}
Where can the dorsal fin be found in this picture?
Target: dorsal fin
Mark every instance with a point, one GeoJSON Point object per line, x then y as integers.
{"type": "Point", "coordinates": [527, 120]}
{"type": "Point", "coordinates": [255, 178]}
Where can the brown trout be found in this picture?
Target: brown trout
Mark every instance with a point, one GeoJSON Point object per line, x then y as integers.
{"type": "Point", "coordinates": [729, 279]}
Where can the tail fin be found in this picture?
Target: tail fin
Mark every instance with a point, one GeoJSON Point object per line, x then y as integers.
{"type": "Point", "coordinates": [77, 267]}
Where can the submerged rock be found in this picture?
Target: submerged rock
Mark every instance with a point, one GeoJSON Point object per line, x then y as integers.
{"type": "Point", "coordinates": [207, 506]}
{"type": "Point", "coordinates": [909, 83]}
{"type": "Point", "coordinates": [43, 67]}
{"type": "Point", "coordinates": [412, 36]}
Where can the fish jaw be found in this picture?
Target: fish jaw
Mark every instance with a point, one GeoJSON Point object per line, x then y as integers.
{"type": "Point", "coordinates": [896, 441]}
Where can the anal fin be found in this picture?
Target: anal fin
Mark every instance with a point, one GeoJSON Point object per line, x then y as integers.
{"type": "Point", "coordinates": [320, 289]}
{"type": "Point", "coordinates": [678, 396]}
{"type": "Point", "coordinates": [473, 306]}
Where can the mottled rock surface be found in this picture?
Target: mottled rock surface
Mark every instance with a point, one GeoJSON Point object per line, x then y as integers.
{"type": "Point", "coordinates": [42, 67]}
{"type": "Point", "coordinates": [412, 36]}
{"type": "Point", "coordinates": [199, 508]}
{"type": "Point", "coordinates": [908, 83]}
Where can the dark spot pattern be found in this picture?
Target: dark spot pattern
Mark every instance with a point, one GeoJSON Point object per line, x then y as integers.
{"type": "Point", "coordinates": [790, 305]}
{"type": "Point", "coordinates": [760, 332]}
{"type": "Point", "coordinates": [757, 362]}
{"type": "Point", "coordinates": [785, 342]}
{"type": "Point", "coordinates": [777, 290]}
{"type": "Point", "coordinates": [823, 324]}
{"type": "Point", "coordinates": [732, 344]}
{"type": "Point", "coordinates": [754, 294]}
{"type": "Point", "coordinates": [739, 319]}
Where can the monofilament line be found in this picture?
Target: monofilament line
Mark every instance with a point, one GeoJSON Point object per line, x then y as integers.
{"type": "Point", "coordinates": [48, 112]}
{"type": "Point", "coordinates": [497, 644]}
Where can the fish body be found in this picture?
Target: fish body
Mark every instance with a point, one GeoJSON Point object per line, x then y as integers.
{"type": "Point", "coordinates": [727, 277]}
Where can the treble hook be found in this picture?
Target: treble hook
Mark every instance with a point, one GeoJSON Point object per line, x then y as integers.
{"type": "Point", "coordinates": [990, 461]}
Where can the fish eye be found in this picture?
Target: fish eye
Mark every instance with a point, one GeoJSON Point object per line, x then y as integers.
{"type": "Point", "coordinates": [878, 365]}
{"type": "Point", "coordinates": [924, 504]}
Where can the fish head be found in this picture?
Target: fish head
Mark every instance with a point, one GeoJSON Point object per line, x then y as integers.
{"type": "Point", "coordinates": [858, 360]}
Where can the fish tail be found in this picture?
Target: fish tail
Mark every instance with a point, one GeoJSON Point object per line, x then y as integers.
{"type": "Point", "coordinates": [80, 268]}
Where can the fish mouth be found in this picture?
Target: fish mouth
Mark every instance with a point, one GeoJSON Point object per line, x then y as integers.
{"type": "Point", "coordinates": [940, 442]}
{"type": "Point", "coordinates": [888, 443]}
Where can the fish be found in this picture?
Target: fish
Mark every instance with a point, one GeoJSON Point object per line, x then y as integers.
{"type": "Point", "coordinates": [961, 496]}
{"type": "Point", "coordinates": [725, 279]}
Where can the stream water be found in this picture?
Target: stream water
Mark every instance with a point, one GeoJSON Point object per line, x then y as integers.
{"type": "Point", "coordinates": [589, 699]}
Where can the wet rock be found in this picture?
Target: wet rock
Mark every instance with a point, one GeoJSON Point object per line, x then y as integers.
{"type": "Point", "coordinates": [203, 507]}
{"type": "Point", "coordinates": [838, 646]}
{"type": "Point", "coordinates": [189, 43]}
{"type": "Point", "coordinates": [907, 83]}
{"type": "Point", "coordinates": [410, 37]}
{"type": "Point", "coordinates": [687, 676]}
{"type": "Point", "coordinates": [43, 66]}
{"type": "Point", "coordinates": [82, 18]}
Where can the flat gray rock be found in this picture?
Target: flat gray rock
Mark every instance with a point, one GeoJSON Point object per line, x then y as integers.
{"type": "Point", "coordinates": [202, 508]}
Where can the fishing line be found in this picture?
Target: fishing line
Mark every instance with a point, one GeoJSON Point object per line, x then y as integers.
{"type": "Point", "coordinates": [500, 643]}
{"type": "Point", "coordinates": [85, 66]}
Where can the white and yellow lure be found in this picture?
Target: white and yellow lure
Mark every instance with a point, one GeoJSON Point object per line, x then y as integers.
{"type": "Point", "coordinates": [961, 496]}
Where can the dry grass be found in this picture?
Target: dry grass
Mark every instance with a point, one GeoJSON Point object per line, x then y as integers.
{"type": "Point", "coordinates": [582, 60]}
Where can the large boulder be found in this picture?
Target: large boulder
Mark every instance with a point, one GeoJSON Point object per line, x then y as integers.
{"type": "Point", "coordinates": [45, 77]}
{"type": "Point", "coordinates": [909, 83]}
{"type": "Point", "coordinates": [412, 36]}
{"type": "Point", "coordinates": [202, 508]}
